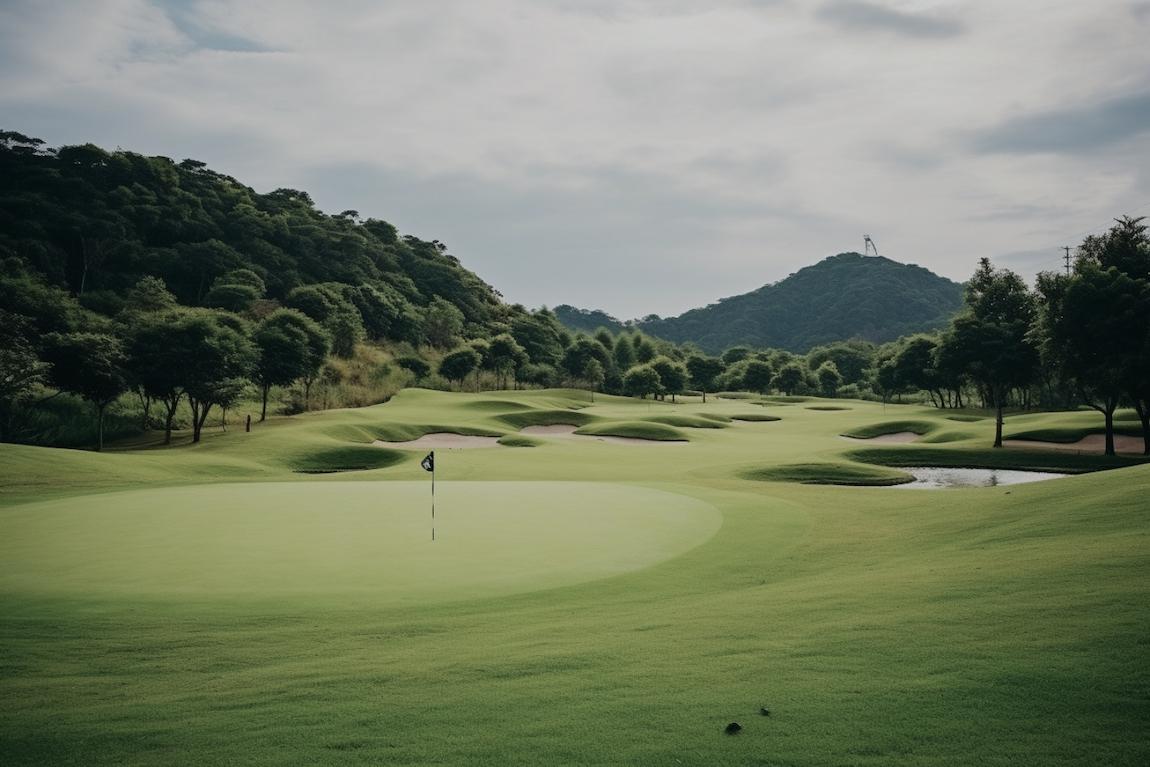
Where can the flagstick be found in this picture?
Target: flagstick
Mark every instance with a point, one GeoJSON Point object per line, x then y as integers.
{"type": "Point", "coordinates": [433, 496]}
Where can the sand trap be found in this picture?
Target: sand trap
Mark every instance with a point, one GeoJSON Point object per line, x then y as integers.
{"type": "Point", "coordinates": [565, 430]}
{"type": "Point", "coordinates": [443, 440]}
{"type": "Point", "coordinates": [898, 437]}
{"type": "Point", "coordinates": [1091, 443]}
{"type": "Point", "coordinates": [554, 430]}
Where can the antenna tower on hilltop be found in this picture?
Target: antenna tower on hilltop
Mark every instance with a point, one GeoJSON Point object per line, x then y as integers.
{"type": "Point", "coordinates": [868, 245]}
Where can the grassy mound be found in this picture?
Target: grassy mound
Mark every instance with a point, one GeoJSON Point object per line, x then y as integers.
{"type": "Point", "coordinates": [826, 407]}
{"type": "Point", "coordinates": [495, 405]}
{"type": "Point", "coordinates": [656, 432]}
{"type": "Point", "coordinates": [518, 440]}
{"type": "Point", "coordinates": [786, 399]}
{"type": "Point", "coordinates": [544, 418]}
{"type": "Point", "coordinates": [687, 421]}
{"type": "Point", "coordinates": [1068, 434]}
{"type": "Point", "coordinates": [950, 435]}
{"type": "Point", "coordinates": [827, 474]}
{"type": "Point", "coordinates": [870, 431]}
{"type": "Point", "coordinates": [715, 417]}
{"type": "Point", "coordinates": [990, 458]}
{"type": "Point", "coordinates": [347, 458]}
{"type": "Point", "coordinates": [734, 395]}
{"type": "Point", "coordinates": [756, 417]}
{"type": "Point", "coordinates": [965, 418]}
{"type": "Point", "coordinates": [405, 432]}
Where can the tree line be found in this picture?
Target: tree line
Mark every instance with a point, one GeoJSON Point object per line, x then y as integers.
{"type": "Point", "coordinates": [127, 274]}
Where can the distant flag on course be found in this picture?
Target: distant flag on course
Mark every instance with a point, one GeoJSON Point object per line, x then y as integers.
{"type": "Point", "coordinates": [428, 463]}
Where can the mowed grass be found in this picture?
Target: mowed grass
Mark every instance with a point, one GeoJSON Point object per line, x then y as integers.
{"type": "Point", "coordinates": [209, 605]}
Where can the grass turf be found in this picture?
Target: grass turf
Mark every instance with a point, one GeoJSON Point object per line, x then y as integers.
{"type": "Point", "coordinates": [145, 620]}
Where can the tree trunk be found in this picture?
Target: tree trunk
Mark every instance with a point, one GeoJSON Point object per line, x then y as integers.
{"type": "Point", "coordinates": [100, 407]}
{"type": "Point", "coordinates": [1109, 414]}
{"type": "Point", "coordinates": [998, 396]}
{"type": "Point", "coordinates": [264, 405]}
{"type": "Point", "coordinates": [704, 396]}
{"type": "Point", "coordinates": [1143, 408]}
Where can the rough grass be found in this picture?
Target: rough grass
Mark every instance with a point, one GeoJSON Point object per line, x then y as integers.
{"type": "Point", "coordinates": [870, 431]}
{"type": "Point", "coordinates": [827, 474]}
{"type": "Point", "coordinates": [636, 430]}
{"type": "Point", "coordinates": [345, 458]}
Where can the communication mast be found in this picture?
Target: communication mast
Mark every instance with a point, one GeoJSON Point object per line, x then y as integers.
{"type": "Point", "coordinates": [868, 245]}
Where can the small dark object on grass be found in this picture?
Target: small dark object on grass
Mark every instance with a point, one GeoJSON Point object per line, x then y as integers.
{"type": "Point", "coordinates": [765, 711]}
{"type": "Point", "coordinates": [733, 728]}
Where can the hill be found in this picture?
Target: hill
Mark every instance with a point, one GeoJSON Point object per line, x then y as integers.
{"type": "Point", "coordinates": [93, 223]}
{"type": "Point", "coordinates": [841, 297]}
{"type": "Point", "coordinates": [587, 320]}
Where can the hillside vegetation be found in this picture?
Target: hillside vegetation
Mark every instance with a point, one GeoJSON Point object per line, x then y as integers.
{"type": "Point", "coordinates": [844, 296]}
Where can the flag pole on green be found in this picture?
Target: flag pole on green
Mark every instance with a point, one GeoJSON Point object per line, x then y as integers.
{"type": "Point", "coordinates": [428, 464]}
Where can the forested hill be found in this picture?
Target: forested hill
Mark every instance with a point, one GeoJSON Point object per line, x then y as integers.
{"type": "Point", "coordinates": [587, 320]}
{"type": "Point", "coordinates": [94, 223]}
{"type": "Point", "coordinates": [842, 297]}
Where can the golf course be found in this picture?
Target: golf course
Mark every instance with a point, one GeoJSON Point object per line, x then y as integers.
{"type": "Point", "coordinates": [611, 581]}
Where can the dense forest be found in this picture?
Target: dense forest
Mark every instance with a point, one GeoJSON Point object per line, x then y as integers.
{"type": "Point", "coordinates": [151, 294]}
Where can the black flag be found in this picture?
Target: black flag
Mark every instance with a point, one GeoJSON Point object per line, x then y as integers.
{"type": "Point", "coordinates": [428, 463]}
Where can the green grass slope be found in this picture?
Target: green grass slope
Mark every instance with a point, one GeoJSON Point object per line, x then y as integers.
{"type": "Point", "coordinates": [587, 602]}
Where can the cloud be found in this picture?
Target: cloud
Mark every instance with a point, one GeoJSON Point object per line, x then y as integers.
{"type": "Point", "coordinates": [864, 16]}
{"type": "Point", "coordinates": [656, 155]}
{"type": "Point", "coordinates": [1083, 128]}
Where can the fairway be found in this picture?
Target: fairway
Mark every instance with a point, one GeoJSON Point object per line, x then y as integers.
{"type": "Point", "coordinates": [370, 541]}
{"type": "Point", "coordinates": [585, 602]}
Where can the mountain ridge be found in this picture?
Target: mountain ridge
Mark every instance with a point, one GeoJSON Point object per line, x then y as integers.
{"type": "Point", "coordinates": [843, 296]}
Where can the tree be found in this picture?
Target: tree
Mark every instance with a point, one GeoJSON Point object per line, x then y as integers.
{"type": "Point", "coordinates": [735, 354]}
{"type": "Point", "coordinates": [757, 376]}
{"type": "Point", "coordinates": [594, 375]}
{"type": "Point", "coordinates": [993, 335]}
{"type": "Point", "coordinates": [1092, 329]}
{"type": "Point", "coordinates": [829, 378]}
{"type": "Point", "coordinates": [90, 365]}
{"type": "Point", "coordinates": [20, 367]}
{"type": "Point", "coordinates": [232, 298]}
{"type": "Point", "coordinates": [417, 366]}
{"type": "Point", "coordinates": [345, 329]}
{"type": "Point", "coordinates": [789, 378]}
{"type": "Point", "coordinates": [285, 342]}
{"type": "Point", "coordinates": [640, 381]}
{"type": "Point", "coordinates": [150, 294]}
{"type": "Point", "coordinates": [623, 352]}
{"type": "Point", "coordinates": [582, 349]}
{"type": "Point", "coordinates": [442, 323]}
{"type": "Point", "coordinates": [506, 356]}
{"type": "Point", "coordinates": [223, 356]}
{"type": "Point", "coordinates": [852, 358]}
{"type": "Point", "coordinates": [703, 371]}
{"type": "Point", "coordinates": [459, 364]}
{"type": "Point", "coordinates": [672, 375]}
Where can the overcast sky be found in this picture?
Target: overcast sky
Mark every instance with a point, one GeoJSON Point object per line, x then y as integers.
{"type": "Point", "coordinates": [637, 156]}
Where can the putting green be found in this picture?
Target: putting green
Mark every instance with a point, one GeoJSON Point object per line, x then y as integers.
{"type": "Point", "coordinates": [366, 540]}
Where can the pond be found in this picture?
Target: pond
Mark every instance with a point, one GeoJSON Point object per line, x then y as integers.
{"type": "Point", "coordinates": [935, 478]}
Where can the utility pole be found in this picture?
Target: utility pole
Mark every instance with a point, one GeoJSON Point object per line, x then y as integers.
{"type": "Point", "coordinates": [1066, 258]}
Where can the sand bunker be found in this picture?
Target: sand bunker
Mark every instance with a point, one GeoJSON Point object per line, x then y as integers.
{"type": "Point", "coordinates": [442, 440]}
{"type": "Point", "coordinates": [898, 437]}
{"type": "Point", "coordinates": [564, 431]}
{"type": "Point", "coordinates": [1094, 444]}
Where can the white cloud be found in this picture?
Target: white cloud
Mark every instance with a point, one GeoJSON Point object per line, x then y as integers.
{"type": "Point", "coordinates": [700, 148]}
